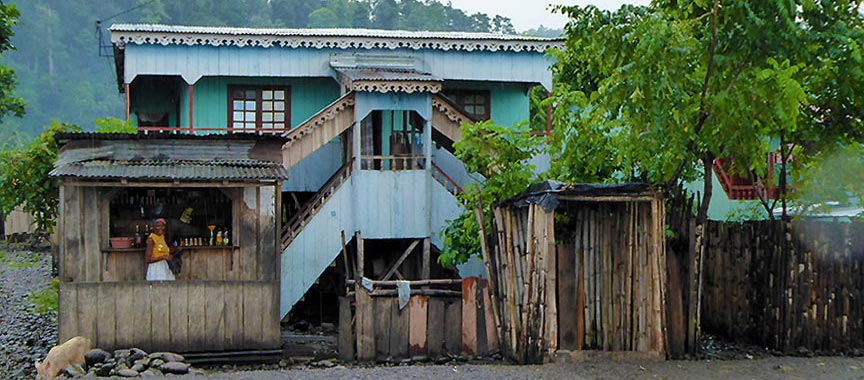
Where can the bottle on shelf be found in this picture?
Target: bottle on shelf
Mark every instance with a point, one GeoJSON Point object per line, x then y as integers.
{"type": "Point", "coordinates": [225, 239]}
{"type": "Point", "coordinates": [146, 231]}
{"type": "Point", "coordinates": [137, 237]}
{"type": "Point", "coordinates": [219, 238]}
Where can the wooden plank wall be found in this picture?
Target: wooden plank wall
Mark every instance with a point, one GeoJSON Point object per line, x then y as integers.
{"type": "Point", "coordinates": [18, 222]}
{"type": "Point", "coordinates": [181, 316]}
{"type": "Point", "coordinates": [787, 286]}
{"type": "Point", "coordinates": [429, 326]}
{"type": "Point", "coordinates": [602, 288]}
{"type": "Point", "coordinates": [611, 257]}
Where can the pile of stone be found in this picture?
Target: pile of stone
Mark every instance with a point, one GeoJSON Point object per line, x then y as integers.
{"type": "Point", "coordinates": [132, 362]}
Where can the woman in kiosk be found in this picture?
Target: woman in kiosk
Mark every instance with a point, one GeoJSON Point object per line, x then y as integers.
{"type": "Point", "coordinates": [157, 254]}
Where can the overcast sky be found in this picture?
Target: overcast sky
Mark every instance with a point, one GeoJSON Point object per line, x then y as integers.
{"type": "Point", "coordinates": [528, 14]}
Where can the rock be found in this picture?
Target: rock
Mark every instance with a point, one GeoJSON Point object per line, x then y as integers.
{"type": "Point", "coordinates": [104, 369]}
{"type": "Point", "coordinates": [157, 363]}
{"type": "Point", "coordinates": [419, 358]}
{"type": "Point", "coordinates": [167, 357]}
{"type": "Point", "coordinates": [96, 355]}
{"type": "Point", "coordinates": [136, 354]}
{"type": "Point", "coordinates": [196, 372]}
{"type": "Point", "coordinates": [74, 371]}
{"type": "Point", "coordinates": [285, 363]}
{"type": "Point", "coordinates": [90, 376]}
{"type": "Point", "coordinates": [126, 372]}
{"type": "Point", "coordinates": [442, 360]}
{"type": "Point", "coordinates": [122, 354]}
{"type": "Point", "coordinates": [340, 367]}
{"type": "Point", "coordinates": [139, 367]}
{"type": "Point", "coordinates": [178, 368]}
{"type": "Point", "coordinates": [151, 373]}
{"type": "Point", "coordinates": [328, 363]}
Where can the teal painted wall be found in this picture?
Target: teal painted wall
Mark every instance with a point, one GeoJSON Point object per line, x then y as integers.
{"type": "Point", "coordinates": [149, 96]}
{"type": "Point", "coordinates": [723, 208]}
{"type": "Point", "coordinates": [210, 98]}
{"type": "Point", "coordinates": [508, 101]}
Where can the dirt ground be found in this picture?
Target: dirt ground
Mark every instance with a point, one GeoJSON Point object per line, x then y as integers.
{"type": "Point", "coordinates": [833, 368]}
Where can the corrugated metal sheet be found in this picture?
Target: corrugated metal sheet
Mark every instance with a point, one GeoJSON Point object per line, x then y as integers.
{"type": "Point", "coordinates": [375, 73]}
{"type": "Point", "coordinates": [173, 169]}
{"type": "Point", "coordinates": [335, 32]}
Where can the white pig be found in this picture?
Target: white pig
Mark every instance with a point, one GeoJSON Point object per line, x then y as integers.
{"type": "Point", "coordinates": [69, 353]}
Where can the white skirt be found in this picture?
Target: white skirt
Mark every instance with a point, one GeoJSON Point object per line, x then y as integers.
{"type": "Point", "coordinates": [159, 271]}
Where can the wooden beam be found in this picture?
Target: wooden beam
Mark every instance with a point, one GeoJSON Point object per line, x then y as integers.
{"type": "Point", "coordinates": [126, 183]}
{"type": "Point", "coordinates": [126, 96]}
{"type": "Point", "coordinates": [191, 95]}
{"type": "Point", "coordinates": [358, 238]}
{"type": "Point", "coordinates": [400, 260]}
{"type": "Point", "coordinates": [427, 257]}
{"type": "Point", "coordinates": [414, 283]}
{"type": "Point", "coordinates": [345, 262]}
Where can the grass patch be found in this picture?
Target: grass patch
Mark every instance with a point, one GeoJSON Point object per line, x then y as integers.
{"type": "Point", "coordinates": [46, 299]}
{"type": "Point", "coordinates": [24, 261]}
{"type": "Point", "coordinates": [3, 258]}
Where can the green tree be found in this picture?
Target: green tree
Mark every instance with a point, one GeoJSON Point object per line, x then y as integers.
{"type": "Point", "coordinates": [9, 103]}
{"type": "Point", "coordinates": [501, 155]}
{"type": "Point", "coordinates": [24, 177]}
{"type": "Point", "coordinates": [385, 14]}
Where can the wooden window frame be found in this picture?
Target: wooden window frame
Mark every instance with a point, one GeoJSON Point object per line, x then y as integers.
{"type": "Point", "coordinates": [258, 108]}
{"type": "Point", "coordinates": [458, 96]}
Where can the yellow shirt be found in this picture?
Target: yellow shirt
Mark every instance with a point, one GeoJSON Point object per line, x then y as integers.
{"type": "Point", "coordinates": [160, 248]}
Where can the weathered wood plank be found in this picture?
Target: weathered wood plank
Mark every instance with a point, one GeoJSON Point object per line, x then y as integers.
{"type": "Point", "coordinates": [567, 297]}
{"type": "Point", "coordinates": [178, 318]}
{"type": "Point", "coordinates": [125, 314]}
{"type": "Point", "coordinates": [436, 326]}
{"type": "Point", "coordinates": [418, 322]}
{"type": "Point", "coordinates": [233, 297]}
{"type": "Point", "coordinates": [365, 325]}
{"type": "Point", "coordinates": [214, 317]}
{"type": "Point", "coordinates": [399, 330]}
{"type": "Point", "coordinates": [141, 318]}
{"type": "Point", "coordinates": [346, 328]}
{"type": "Point", "coordinates": [197, 312]}
{"type": "Point", "coordinates": [469, 316]}
{"type": "Point", "coordinates": [453, 321]}
{"type": "Point", "coordinates": [91, 257]}
{"type": "Point", "coordinates": [160, 304]}
{"type": "Point", "coordinates": [67, 308]}
{"type": "Point", "coordinates": [253, 315]}
{"type": "Point", "coordinates": [106, 323]}
{"type": "Point", "coordinates": [382, 307]}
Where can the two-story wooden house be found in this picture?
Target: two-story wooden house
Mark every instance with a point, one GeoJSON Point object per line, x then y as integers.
{"type": "Point", "coordinates": [368, 117]}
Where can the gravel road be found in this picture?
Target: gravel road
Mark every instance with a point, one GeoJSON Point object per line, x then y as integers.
{"type": "Point", "coordinates": [24, 336]}
{"type": "Point", "coordinates": [833, 368]}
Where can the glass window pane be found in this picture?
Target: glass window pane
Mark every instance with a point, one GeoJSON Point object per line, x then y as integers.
{"type": "Point", "coordinates": [266, 95]}
{"type": "Point", "coordinates": [470, 109]}
{"type": "Point", "coordinates": [479, 99]}
{"type": "Point", "coordinates": [267, 116]}
{"type": "Point", "coordinates": [279, 106]}
{"type": "Point", "coordinates": [480, 110]}
{"type": "Point", "coordinates": [267, 126]}
{"type": "Point", "coordinates": [279, 125]}
{"type": "Point", "coordinates": [238, 116]}
{"type": "Point", "coordinates": [250, 94]}
{"type": "Point", "coordinates": [279, 95]}
{"type": "Point", "coordinates": [267, 106]}
{"type": "Point", "coordinates": [279, 116]}
{"type": "Point", "coordinates": [238, 125]}
{"type": "Point", "coordinates": [250, 105]}
{"type": "Point", "coordinates": [250, 116]}
{"type": "Point", "coordinates": [238, 105]}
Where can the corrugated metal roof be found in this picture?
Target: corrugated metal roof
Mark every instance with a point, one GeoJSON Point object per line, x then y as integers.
{"type": "Point", "coordinates": [336, 32]}
{"type": "Point", "coordinates": [376, 73]}
{"type": "Point", "coordinates": [166, 136]}
{"type": "Point", "coordinates": [173, 169]}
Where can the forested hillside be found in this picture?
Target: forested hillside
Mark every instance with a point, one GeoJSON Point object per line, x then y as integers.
{"type": "Point", "coordinates": [61, 75]}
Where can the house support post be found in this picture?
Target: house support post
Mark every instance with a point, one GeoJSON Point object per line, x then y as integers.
{"type": "Point", "coordinates": [126, 99]}
{"type": "Point", "coordinates": [191, 95]}
{"type": "Point", "coordinates": [427, 257]}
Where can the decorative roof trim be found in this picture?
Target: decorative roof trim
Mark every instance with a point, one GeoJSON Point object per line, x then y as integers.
{"type": "Point", "coordinates": [138, 34]}
{"type": "Point", "coordinates": [385, 86]}
{"type": "Point", "coordinates": [453, 113]}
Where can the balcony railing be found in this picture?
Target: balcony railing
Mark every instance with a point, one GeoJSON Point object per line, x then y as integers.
{"type": "Point", "coordinates": [400, 162]}
{"type": "Point", "coordinates": [206, 130]}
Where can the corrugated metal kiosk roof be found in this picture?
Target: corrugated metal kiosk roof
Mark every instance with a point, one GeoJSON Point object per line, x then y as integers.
{"type": "Point", "coordinates": [173, 170]}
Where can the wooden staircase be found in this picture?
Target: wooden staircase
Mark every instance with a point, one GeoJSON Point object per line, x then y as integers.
{"type": "Point", "coordinates": [318, 130]}
{"type": "Point", "coordinates": [448, 117]}
{"type": "Point", "coordinates": [294, 225]}
{"type": "Point", "coordinates": [445, 180]}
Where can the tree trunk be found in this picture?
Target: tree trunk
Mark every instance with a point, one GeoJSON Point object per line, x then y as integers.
{"type": "Point", "coordinates": [698, 253]}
